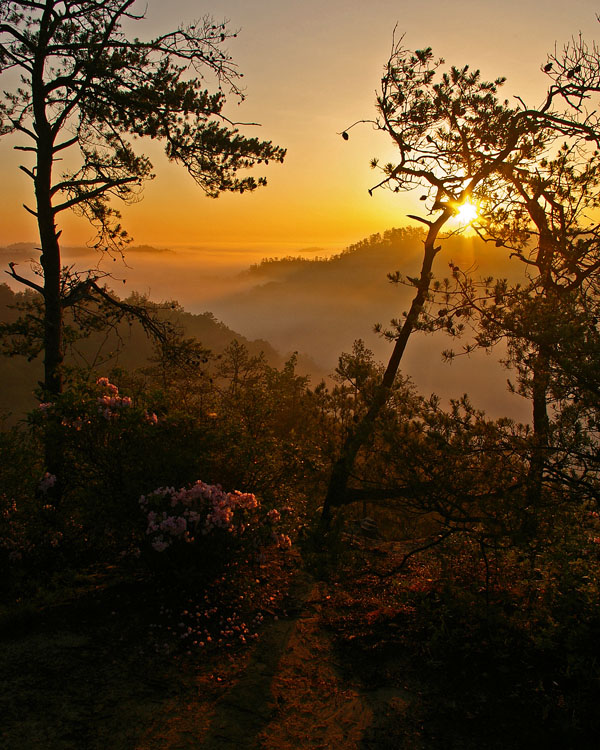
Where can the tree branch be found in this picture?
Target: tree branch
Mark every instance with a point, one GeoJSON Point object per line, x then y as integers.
{"type": "Point", "coordinates": [23, 280]}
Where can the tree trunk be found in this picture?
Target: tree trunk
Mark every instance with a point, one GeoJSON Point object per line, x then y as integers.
{"type": "Point", "coordinates": [53, 344]}
{"type": "Point", "coordinates": [540, 381]}
{"type": "Point", "coordinates": [342, 468]}
{"type": "Point", "coordinates": [53, 323]}
{"type": "Point", "coordinates": [50, 258]}
{"type": "Point", "coordinates": [539, 448]}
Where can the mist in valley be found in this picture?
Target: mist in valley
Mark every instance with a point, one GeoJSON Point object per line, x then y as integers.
{"type": "Point", "coordinates": [317, 301]}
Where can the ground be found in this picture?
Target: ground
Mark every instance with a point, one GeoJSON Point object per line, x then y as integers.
{"type": "Point", "coordinates": [338, 664]}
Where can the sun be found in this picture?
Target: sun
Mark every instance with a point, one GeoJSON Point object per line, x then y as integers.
{"type": "Point", "coordinates": [466, 213]}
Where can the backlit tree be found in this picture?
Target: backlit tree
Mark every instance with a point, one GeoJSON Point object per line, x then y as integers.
{"type": "Point", "coordinates": [460, 142]}
{"type": "Point", "coordinates": [82, 93]}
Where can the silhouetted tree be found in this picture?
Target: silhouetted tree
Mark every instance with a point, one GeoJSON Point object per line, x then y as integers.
{"type": "Point", "coordinates": [460, 142]}
{"type": "Point", "coordinates": [86, 92]}
{"type": "Point", "coordinates": [541, 209]}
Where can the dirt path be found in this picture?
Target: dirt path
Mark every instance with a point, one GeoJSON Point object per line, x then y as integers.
{"type": "Point", "coordinates": [290, 693]}
{"type": "Point", "coordinates": [315, 708]}
{"type": "Point", "coordinates": [85, 676]}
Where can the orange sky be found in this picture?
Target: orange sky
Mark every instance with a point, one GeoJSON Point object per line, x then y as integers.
{"type": "Point", "coordinates": [311, 68]}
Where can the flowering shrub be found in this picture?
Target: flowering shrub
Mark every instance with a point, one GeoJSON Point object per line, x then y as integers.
{"type": "Point", "coordinates": [202, 516]}
{"type": "Point", "coordinates": [110, 404]}
{"type": "Point", "coordinates": [124, 435]}
{"type": "Point", "coordinates": [225, 549]}
{"type": "Point", "coordinates": [33, 535]}
{"type": "Point", "coordinates": [228, 610]}
{"type": "Point", "coordinates": [109, 443]}
{"type": "Point", "coordinates": [79, 408]}
{"type": "Point", "coordinates": [12, 535]}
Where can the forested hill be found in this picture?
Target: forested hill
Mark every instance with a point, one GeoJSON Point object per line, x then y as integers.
{"type": "Point", "coordinates": [127, 347]}
{"type": "Point", "coordinates": [393, 249]}
{"type": "Point", "coordinates": [369, 252]}
{"type": "Point", "coordinates": [317, 306]}
{"type": "Point", "coordinates": [322, 305]}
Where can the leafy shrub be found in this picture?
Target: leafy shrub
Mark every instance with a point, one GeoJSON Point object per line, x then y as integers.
{"type": "Point", "coordinates": [202, 526]}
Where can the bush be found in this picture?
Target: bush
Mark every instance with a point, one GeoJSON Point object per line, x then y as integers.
{"type": "Point", "coordinates": [201, 526]}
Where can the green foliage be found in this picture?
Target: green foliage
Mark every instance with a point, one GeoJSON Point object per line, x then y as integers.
{"type": "Point", "coordinates": [264, 420]}
{"type": "Point", "coordinates": [21, 528]}
{"type": "Point", "coordinates": [245, 424]}
{"type": "Point", "coordinates": [495, 580]}
{"type": "Point", "coordinates": [102, 338]}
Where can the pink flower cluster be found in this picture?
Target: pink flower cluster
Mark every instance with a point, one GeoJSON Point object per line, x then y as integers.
{"type": "Point", "coordinates": [190, 513]}
{"type": "Point", "coordinates": [12, 539]}
{"type": "Point", "coordinates": [110, 404]}
{"type": "Point", "coordinates": [150, 417]}
{"type": "Point", "coordinates": [283, 541]}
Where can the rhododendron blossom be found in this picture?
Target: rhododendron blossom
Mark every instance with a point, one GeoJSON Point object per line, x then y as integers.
{"type": "Point", "coordinates": [110, 404]}
{"type": "Point", "coordinates": [283, 541]}
{"type": "Point", "coordinates": [191, 513]}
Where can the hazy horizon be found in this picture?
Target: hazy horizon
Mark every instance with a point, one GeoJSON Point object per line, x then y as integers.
{"type": "Point", "coordinates": [310, 71]}
{"type": "Point", "coordinates": [320, 309]}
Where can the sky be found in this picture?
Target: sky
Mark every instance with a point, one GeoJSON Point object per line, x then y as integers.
{"type": "Point", "coordinates": [311, 69]}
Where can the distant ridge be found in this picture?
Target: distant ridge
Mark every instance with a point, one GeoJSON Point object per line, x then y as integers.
{"type": "Point", "coordinates": [373, 246]}
{"type": "Point", "coordinates": [147, 249]}
{"type": "Point", "coordinates": [311, 250]}
{"type": "Point", "coordinates": [322, 305]}
{"type": "Point", "coordinates": [26, 248]}
{"type": "Point", "coordinates": [22, 246]}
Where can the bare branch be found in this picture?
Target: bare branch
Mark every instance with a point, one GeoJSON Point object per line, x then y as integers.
{"type": "Point", "coordinates": [23, 280]}
{"type": "Point", "coordinates": [30, 210]}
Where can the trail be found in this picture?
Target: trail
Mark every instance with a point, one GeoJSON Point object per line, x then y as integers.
{"type": "Point", "coordinates": [289, 694]}
{"type": "Point", "coordinates": [301, 686]}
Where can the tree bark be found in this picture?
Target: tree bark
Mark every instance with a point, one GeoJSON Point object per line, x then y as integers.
{"type": "Point", "coordinates": [51, 263]}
